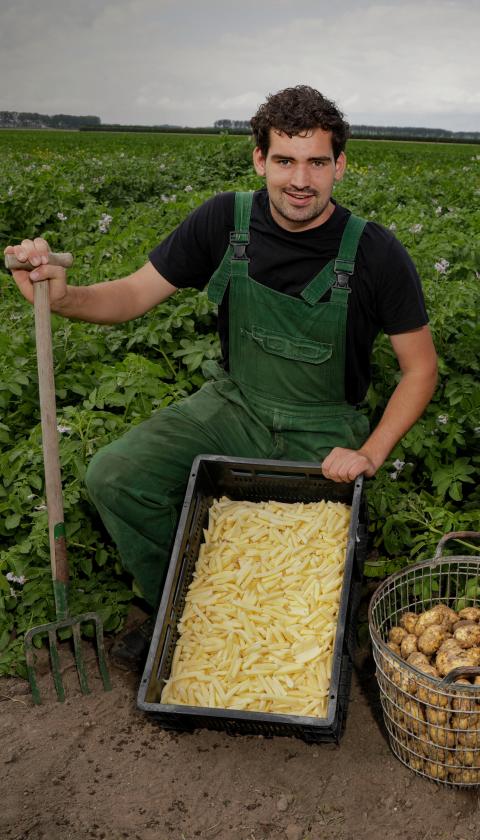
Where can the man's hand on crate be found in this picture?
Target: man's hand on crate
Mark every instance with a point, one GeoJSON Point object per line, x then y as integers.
{"type": "Point", "coordinates": [347, 464]}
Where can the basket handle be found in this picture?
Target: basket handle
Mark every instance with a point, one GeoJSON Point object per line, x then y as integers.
{"type": "Point", "coordinates": [462, 671]}
{"type": "Point", "coordinates": [454, 535]}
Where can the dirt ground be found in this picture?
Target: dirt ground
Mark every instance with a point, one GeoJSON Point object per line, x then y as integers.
{"type": "Point", "coordinates": [95, 767]}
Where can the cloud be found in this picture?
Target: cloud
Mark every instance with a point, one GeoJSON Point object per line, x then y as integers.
{"type": "Point", "coordinates": [157, 61]}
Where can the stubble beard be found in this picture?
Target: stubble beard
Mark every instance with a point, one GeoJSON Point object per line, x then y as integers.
{"type": "Point", "coordinates": [300, 215]}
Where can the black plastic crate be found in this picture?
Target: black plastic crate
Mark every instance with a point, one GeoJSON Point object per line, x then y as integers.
{"type": "Point", "coordinates": [242, 479]}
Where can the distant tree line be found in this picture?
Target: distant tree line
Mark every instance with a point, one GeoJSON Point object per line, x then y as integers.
{"type": "Point", "coordinates": [24, 119]}
{"type": "Point", "coordinates": [160, 129]}
{"type": "Point", "coordinates": [375, 131]}
{"type": "Point", "coordinates": [413, 133]}
{"type": "Point", "coordinates": [223, 124]}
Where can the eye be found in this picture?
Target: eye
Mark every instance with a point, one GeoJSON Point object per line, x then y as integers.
{"type": "Point", "coordinates": [319, 163]}
{"type": "Point", "coordinates": [284, 161]}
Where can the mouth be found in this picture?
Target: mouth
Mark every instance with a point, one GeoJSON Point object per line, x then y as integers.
{"type": "Point", "coordinates": [299, 199]}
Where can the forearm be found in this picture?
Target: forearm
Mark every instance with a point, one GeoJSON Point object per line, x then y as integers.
{"type": "Point", "coordinates": [405, 406]}
{"type": "Point", "coordinates": [418, 363]}
{"type": "Point", "coordinates": [111, 302]}
{"type": "Point", "coordinates": [99, 303]}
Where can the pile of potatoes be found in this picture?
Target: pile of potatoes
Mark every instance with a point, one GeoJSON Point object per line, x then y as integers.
{"type": "Point", "coordinates": [439, 730]}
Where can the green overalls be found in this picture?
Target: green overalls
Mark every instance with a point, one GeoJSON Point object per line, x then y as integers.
{"type": "Point", "coordinates": [283, 397]}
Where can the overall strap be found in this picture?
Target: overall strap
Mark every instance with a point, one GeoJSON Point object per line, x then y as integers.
{"type": "Point", "coordinates": [241, 236]}
{"type": "Point", "coordinates": [337, 272]}
{"type": "Point", "coordinates": [235, 260]}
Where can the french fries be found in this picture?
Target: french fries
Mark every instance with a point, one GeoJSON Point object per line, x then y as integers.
{"type": "Point", "coordinates": [260, 617]}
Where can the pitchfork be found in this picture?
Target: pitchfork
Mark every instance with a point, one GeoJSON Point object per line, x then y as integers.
{"type": "Point", "coordinates": [53, 486]}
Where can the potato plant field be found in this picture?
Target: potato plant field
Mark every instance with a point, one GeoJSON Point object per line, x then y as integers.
{"type": "Point", "coordinates": [109, 198]}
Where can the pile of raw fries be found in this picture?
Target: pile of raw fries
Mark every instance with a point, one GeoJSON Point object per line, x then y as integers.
{"type": "Point", "coordinates": [260, 617]}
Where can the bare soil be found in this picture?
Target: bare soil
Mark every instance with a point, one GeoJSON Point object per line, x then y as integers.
{"type": "Point", "coordinates": [95, 767]}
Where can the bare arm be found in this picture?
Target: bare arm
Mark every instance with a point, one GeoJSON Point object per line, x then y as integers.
{"type": "Point", "coordinates": [418, 363]}
{"type": "Point", "coordinates": [111, 302]}
{"type": "Point", "coordinates": [116, 301]}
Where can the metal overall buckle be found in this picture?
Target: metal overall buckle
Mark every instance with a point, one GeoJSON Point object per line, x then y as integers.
{"type": "Point", "coordinates": [239, 241]}
{"type": "Point", "coordinates": [343, 270]}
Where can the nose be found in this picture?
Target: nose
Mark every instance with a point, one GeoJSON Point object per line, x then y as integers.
{"type": "Point", "coordinates": [300, 177]}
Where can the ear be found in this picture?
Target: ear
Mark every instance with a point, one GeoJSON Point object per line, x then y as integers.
{"type": "Point", "coordinates": [259, 161]}
{"type": "Point", "coordinates": [340, 166]}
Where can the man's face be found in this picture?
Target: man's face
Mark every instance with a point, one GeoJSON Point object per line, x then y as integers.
{"type": "Point", "coordinates": [300, 172]}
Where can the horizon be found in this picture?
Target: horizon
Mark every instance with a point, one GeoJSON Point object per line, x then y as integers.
{"type": "Point", "coordinates": [353, 126]}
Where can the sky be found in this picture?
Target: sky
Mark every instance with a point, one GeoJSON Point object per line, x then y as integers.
{"type": "Point", "coordinates": [191, 62]}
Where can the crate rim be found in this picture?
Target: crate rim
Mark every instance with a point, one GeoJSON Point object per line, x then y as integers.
{"type": "Point", "coordinates": [312, 723]}
{"type": "Point", "coordinates": [242, 714]}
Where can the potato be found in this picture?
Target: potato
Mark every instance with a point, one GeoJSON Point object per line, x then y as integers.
{"type": "Point", "coordinates": [414, 717]}
{"type": "Point", "coordinates": [439, 717]}
{"type": "Point", "coordinates": [404, 679]}
{"type": "Point", "coordinates": [441, 735]}
{"type": "Point", "coordinates": [463, 756]}
{"type": "Point", "coordinates": [450, 759]}
{"type": "Point", "coordinates": [443, 657]}
{"type": "Point", "coordinates": [449, 616]}
{"type": "Point", "coordinates": [436, 698]}
{"type": "Point", "coordinates": [394, 647]}
{"type": "Point", "coordinates": [463, 622]}
{"type": "Point", "coordinates": [433, 698]}
{"type": "Point", "coordinates": [452, 657]}
{"type": "Point", "coordinates": [435, 771]}
{"type": "Point", "coordinates": [464, 700]}
{"type": "Point", "coordinates": [396, 634]}
{"type": "Point", "coordinates": [408, 645]}
{"type": "Point", "coordinates": [385, 665]}
{"type": "Point", "coordinates": [439, 614]}
{"type": "Point", "coordinates": [418, 660]}
{"type": "Point", "coordinates": [394, 712]}
{"type": "Point", "coordinates": [415, 762]}
{"type": "Point", "coordinates": [467, 776]}
{"type": "Point", "coordinates": [469, 738]}
{"type": "Point", "coordinates": [470, 613]}
{"type": "Point", "coordinates": [431, 671]}
{"type": "Point", "coordinates": [449, 644]}
{"type": "Point", "coordinates": [431, 639]}
{"type": "Point", "coordinates": [467, 636]}
{"type": "Point", "coordinates": [434, 753]}
{"type": "Point", "coordinates": [408, 621]}
{"type": "Point", "coordinates": [464, 720]}
{"type": "Point", "coordinates": [475, 652]}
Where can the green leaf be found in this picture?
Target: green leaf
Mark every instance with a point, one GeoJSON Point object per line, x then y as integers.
{"type": "Point", "coordinates": [4, 638]}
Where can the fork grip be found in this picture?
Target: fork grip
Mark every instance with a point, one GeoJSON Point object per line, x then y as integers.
{"type": "Point", "coordinates": [63, 260]}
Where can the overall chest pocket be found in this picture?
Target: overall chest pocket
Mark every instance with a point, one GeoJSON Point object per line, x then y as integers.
{"type": "Point", "coordinates": [295, 349]}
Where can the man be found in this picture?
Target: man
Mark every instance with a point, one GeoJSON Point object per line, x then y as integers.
{"type": "Point", "coordinates": [303, 288]}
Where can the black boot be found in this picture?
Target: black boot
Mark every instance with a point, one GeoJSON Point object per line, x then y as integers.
{"type": "Point", "coordinates": [130, 651]}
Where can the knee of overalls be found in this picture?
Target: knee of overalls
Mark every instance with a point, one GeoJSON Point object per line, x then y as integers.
{"type": "Point", "coordinates": [107, 473]}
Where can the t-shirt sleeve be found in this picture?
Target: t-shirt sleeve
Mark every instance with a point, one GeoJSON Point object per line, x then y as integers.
{"type": "Point", "coordinates": [400, 300]}
{"type": "Point", "coordinates": [190, 254]}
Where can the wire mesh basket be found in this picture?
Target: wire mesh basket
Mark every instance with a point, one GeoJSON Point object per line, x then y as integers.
{"type": "Point", "coordinates": [433, 723]}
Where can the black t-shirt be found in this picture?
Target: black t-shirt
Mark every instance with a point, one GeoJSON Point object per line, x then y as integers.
{"type": "Point", "coordinates": [386, 291]}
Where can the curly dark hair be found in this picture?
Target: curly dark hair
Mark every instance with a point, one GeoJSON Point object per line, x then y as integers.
{"type": "Point", "coordinates": [295, 110]}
